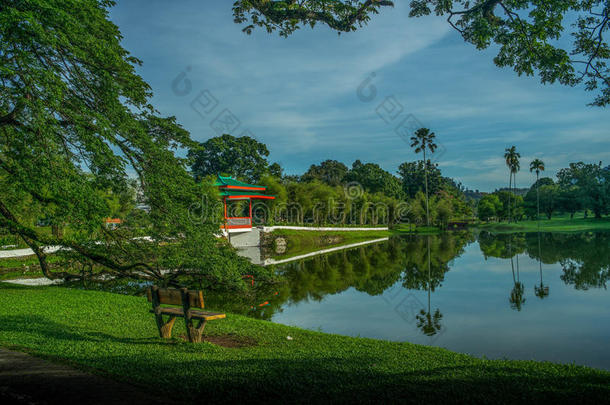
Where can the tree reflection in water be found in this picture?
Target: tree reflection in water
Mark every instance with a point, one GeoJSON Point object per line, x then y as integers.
{"type": "Point", "coordinates": [541, 290]}
{"type": "Point", "coordinates": [420, 263]}
{"type": "Point", "coordinates": [584, 257]}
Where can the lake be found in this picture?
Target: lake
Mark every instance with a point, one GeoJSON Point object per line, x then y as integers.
{"type": "Point", "coordinates": [516, 296]}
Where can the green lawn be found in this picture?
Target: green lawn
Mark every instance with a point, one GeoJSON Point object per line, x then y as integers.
{"type": "Point", "coordinates": [559, 224]}
{"type": "Point", "coordinates": [301, 242]}
{"type": "Point", "coordinates": [23, 267]}
{"type": "Point", "coordinates": [116, 336]}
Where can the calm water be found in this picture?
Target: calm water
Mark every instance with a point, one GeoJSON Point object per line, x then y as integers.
{"type": "Point", "coordinates": [519, 296]}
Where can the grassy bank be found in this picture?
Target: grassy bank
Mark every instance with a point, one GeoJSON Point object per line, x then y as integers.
{"type": "Point", "coordinates": [23, 267]}
{"type": "Point", "coordinates": [560, 224]}
{"type": "Point", "coordinates": [300, 242]}
{"type": "Point", "coordinates": [116, 336]}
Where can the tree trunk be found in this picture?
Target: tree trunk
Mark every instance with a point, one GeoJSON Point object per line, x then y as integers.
{"type": "Point", "coordinates": [426, 181]}
{"type": "Point", "coordinates": [510, 183]}
{"type": "Point", "coordinates": [537, 195]}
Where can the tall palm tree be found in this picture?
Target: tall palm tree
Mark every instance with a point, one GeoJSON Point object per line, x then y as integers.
{"type": "Point", "coordinates": [511, 156]}
{"type": "Point", "coordinates": [537, 165]}
{"type": "Point", "coordinates": [541, 291]}
{"type": "Point", "coordinates": [429, 323]}
{"type": "Point", "coordinates": [516, 298]}
{"type": "Point", "coordinates": [424, 140]}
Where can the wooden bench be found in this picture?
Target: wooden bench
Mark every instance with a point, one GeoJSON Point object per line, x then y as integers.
{"type": "Point", "coordinates": [187, 299]}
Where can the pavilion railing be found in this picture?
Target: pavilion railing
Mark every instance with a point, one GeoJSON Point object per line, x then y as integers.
{"type": "Point", "coordinates": [239, 221]}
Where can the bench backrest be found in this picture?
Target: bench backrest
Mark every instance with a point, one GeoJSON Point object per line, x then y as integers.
{"type": "Point", "coordinates": [173, 296]}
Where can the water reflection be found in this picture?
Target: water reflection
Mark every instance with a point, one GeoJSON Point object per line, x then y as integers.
{"type": "Point", "coordinates": [584, 257]}
{"type": "Point", "coordinates": [480, 290]}
{"type": "Point", "coordinates": [541, 291]}
{"type": "Point", "coordinates": [428, 323]}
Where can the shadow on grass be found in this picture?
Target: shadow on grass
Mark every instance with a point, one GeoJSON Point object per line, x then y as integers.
{"type": "Point", "coordinates": [52, 330]}
{"type": "Point", "coordinates": [196, 373]}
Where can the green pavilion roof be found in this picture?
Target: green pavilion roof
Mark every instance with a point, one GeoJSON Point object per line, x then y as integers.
{"type": "Point", "coordinates": [244, 193]}
{"type": "Point", "coordinates": [222, 181]}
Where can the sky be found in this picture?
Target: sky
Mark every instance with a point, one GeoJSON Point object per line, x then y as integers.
{"type": "Point", "coordinates": [317, 95]}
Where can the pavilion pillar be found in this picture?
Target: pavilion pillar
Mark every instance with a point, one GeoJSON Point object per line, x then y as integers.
{"type": "Point", "coordinates": [250, 207]}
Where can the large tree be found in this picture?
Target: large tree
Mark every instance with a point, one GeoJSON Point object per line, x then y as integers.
{"type": "Point", "coordinates": [241, 157]}
{"type": "Point", "coordinates": [593, 183]}
{"type": "Point", "coordinates": [374, 179]}
{"type": "Point", "coordinates": [511, 157]}
{"type": "Point", "coordinates": [331, 172]}
{"type": "Point", "coordinates": [75, 120]}
{"type": "Point", "coordinates": [537, 166]}
{"type": "Point", "coordinates": [559, 40]}
{"type": "Point", "coordinates": [413, 176]}
{"type": "Point", "coordinates": [422, 141]}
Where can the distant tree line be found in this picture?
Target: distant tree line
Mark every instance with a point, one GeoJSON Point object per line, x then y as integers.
{"type": "Point", "coordinates": [331, 192]}
{"type": "Point", "coordinates": [578, 187]}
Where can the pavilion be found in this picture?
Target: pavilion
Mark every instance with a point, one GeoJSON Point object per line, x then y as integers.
{"type": "Point", "coordinates": [234, 190]}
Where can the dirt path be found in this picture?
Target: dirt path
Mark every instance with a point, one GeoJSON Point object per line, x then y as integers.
{"type": "Point", "coordinates": [29, 380]}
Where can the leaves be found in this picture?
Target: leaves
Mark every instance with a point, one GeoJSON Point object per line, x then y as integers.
{"type": "Point", "coordinates": [76, 130]}
{"type": "Point", "coordinates": [533, 37]}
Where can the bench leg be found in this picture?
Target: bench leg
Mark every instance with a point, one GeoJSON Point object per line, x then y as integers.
{"type": "Point", "coordinates": [165, 328]}
{"type": "Point", "coordinates": [195, 333]}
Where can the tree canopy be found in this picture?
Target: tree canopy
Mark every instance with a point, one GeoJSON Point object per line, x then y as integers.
{"type": "Point", "coordinates": [558, 40]}
{"type": "Point", "coordinates": [374, 179]}
{"type": "Point", "coordinates": [330, 172]}
{"type": "Point", "coordinates": [241, 157]}
{"type": "Point", "coordinates": [75, 123]}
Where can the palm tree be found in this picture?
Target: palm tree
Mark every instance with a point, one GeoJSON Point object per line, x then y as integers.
{"type": "Point", "coordinates": [430, 324]}
{"type": "Point", "coordinates": [541, 291]}
{"type": "Point", "coordinates": [516, 298]}
{"type": "Point", "coordinates": [537, 165]}
{"type": "Point", "coordinates": [422, 140]}
{"type": "Point", "coordinates": [511, 156]}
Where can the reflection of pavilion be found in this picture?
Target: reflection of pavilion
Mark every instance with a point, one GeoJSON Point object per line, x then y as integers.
{"type": "Point", "coordinates": [234, 190]}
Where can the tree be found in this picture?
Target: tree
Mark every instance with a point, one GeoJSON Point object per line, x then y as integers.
{"type": "Point", "coordinates": [240, 157]}
{"type": "Point", "coordinates": [537, 165]}
{"type": "Point", "coordinates": [532, 198]}
{"type": "Point", "coordinates": [548, 200]}
{"type": "Point", "coordinates": [74, 119]}
{"type": "Point", "coordinates": [413, 175]}
{"type": "Point", "coordinates": [424, 140]}
{"type": "Point", "coordinates": [276, 170]}
{"type": "Point", "coordinates": [592, 181]}
{"type": "Point", "coordinates": [444, 211]}
{"type": "Point", "coordinates": [569, 199]}
{"type": "Point", "coordinates": [512, 205]}
{"type": "Point", "coordinates": [531, 36]}
{"type": "Point", "coordinates": [511, 157]}
{"type": "Point", "coordinates": [374, 179]}
{"type": "Point", "coordinates": [541, 290]}
{"type": "Point", "coordinates": [330, 172]}
{"type": "Point", "coordinates": [489, 207]}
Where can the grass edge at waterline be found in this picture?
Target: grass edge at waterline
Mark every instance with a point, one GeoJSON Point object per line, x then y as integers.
{"type": "Point", "coordinates": [115, 335]}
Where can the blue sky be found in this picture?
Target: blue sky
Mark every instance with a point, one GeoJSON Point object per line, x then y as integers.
{"type": "Point", "coordinates": [300, 95]}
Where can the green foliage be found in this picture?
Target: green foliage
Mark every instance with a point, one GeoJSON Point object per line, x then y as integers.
{"type": "Point", "coordinates": [239, 157]}
{"type": "Point", "coordinates": [569, 199]}
{"type": "Point", "coordinates": [374, 179]}
{"type": "Point", "coordinates": [591, 182]}
{"type": "Point", "coordinates": [557, 224]}
{"type": "Point", "coordinates": [583, 257]}
{"type": "Point", "coordinates": [413, 181]}
{"type": "Point", "coordinates": [548, 196]}
{"type": "Point", "coordinates": [75, 118]}
{"type": "Point", "coordinates": [330, 172]}
{"type": "Point", "coordinates": [285, 17]}
{"type": "Point", "coordinates": [489, 207]}
{"type": "Point", "coordinates": [532, 37]}
{"type": "Point", "coordinates": [511, 206]}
